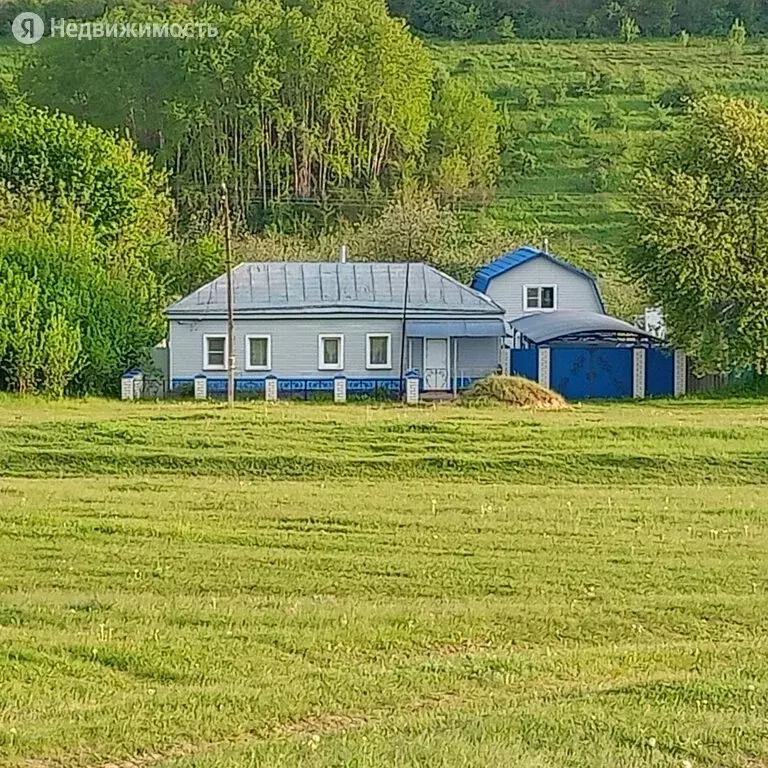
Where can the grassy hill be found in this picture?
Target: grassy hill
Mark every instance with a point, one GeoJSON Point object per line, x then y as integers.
{"type": "Point", "coordinates": [581, 113]}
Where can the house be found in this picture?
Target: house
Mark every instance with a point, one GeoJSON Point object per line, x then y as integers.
{"type": "Point", "coordinates": [308, 323]}
{"type": "Point", "coordinates": [530, 280]}
{"type": "Point", "coordinates": [549, 301]}
{"type": "Point", "coordinates": [560, 334]}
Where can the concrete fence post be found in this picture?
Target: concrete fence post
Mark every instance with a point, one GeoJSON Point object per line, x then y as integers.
{"type": "Point", "coordinates": [412, 388]}
{"type": "Point", "coordinates": [544, 366]}
{"type": "Point", "coordinates": [138, 385]}
{"type": "Point", "coordinates": [681, 372]}
{"type": "Point", "coordinates": [638, 372]}
{"type": "Point", "coordinates": [340, 389]}
{"type": "Point", "coordinates": [126, 385]}
{"type": "Point", "coordinates": [201, 388]}
{"type": "Point", "coordinates": [270, 389]}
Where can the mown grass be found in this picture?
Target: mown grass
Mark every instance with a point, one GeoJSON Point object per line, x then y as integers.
{"type": "Point", "coordinates": [170, 594]}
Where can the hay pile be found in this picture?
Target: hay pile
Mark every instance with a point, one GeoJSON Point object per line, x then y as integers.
{"type": "Point", "coordinates": [513, 390]}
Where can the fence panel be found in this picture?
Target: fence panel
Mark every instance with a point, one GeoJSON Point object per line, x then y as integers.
{"type": "Point", "coordinates": [579, 373]}
{"type": "Point", "coordinates": [659, 372]}
{"type": "Point", "coordinates": [524, 362]}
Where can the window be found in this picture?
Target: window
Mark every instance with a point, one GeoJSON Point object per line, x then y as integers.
{"type": "Point", "coordinates": [539, 298]}
{"type": "Point", "coordinates": [215, 353]}
{"type": "Point", "coordinates": [378, 350]}
{"type": "Point", "coordinates": [258, 353]}
{"type": "Point", "coordinates": [330, 353]}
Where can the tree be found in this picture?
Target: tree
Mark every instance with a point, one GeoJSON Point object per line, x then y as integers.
{"type": "Point", "coordinates": [290, 102]}
{"type": "Point", "coordinates": [112, 184]}
{"type": "Point", "coordinates": [69, 320]}
{"type": "Point", "coordinates": [628, 29]}
{"type": "Point", "coordinates": [61, 347]}
{"type": "Point", "coordinates": [701, 239]}
{"type": "Point", "coordinates": [463, 140]}
{"type": "Point", "coordinates": [737, 35]}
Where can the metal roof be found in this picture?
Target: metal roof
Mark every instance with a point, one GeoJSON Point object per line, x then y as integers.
{"type": "Point", "coordinates": [455, 328]}
{"type": "Point", "coordinates": [332, 288]}
{"type": "Point", "coordinates": [484, 275]}
{"type": "Point", "coordinates": [544, 327]}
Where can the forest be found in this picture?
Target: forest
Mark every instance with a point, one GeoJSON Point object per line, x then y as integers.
{"type": "Point", "coordinates": [559, 19]}
{"type": "Point", "coordinates": [497, 19]}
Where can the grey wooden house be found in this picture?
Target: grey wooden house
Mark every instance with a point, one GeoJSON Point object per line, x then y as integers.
{"type": "Point", "coordinates": [307, 323]}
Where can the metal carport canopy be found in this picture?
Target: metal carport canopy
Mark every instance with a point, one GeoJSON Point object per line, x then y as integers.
{"type": "Point", "coordinates": [440, 329]}
{"type": "Point", "coordinates": [543, 327]}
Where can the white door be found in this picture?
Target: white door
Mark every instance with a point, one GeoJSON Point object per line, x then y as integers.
{"type": "Point", "coordinates": [436, 364]}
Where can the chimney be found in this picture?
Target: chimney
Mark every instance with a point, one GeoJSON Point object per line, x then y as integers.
{"type": "Point", "coordinates": [342, 254]}
{"type": "Point", "coordinates": [546, 245]}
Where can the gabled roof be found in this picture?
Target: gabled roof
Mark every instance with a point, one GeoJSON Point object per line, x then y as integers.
{"type": "Point", "coordinates": [523, 255]}
{"type": "Point", "coordinates": [545, 327]}
{"type": "Point", "coordinates": [333, 288]}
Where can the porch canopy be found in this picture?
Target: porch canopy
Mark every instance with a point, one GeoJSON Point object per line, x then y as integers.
{"type": "Point", "coordinates": [563, 327]}
{"type": "Point", "coordinates": [443, 329]}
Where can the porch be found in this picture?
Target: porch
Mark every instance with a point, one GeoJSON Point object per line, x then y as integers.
{"type": "Point", "coordinates": [449, 355]}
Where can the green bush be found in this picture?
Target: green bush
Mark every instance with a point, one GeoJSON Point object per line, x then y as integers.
{"type": "Point", "coordinates": [628, 29]}
{"type": "Point", "coordinates": [611, 116]}
{"type": "Point", "coordinates": [505, 29]}
{"type": "Point", "coordinates": [529, 99]}
{"type": "Point", "coordinates": [679, 97]}
{"type": "Point", "coordinates": [554, 93]}
{"type": "Point", "coordinates": [68, 320]}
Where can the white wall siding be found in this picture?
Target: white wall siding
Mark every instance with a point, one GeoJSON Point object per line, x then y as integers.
{"type": "Point", "coordinates": [574, 291]}
{"type": "Point", "coordinates": [294, 346]}
{"type": "Point", "coordinates": [476, 357]}
{"type": "Point", "coordinates": [417, 354]}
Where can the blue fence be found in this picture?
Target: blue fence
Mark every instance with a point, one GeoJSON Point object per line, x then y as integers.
{"type": "Point", "coordinates": [525, 362]}
{"type": "Point", "coordinates": [580, 373]}
{"type": "Point", "coordinates": [296, 388]}
{"type": "Point", "coordinates": [659, 372]}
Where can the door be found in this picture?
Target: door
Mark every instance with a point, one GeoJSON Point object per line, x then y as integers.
{"type": "Point", "coordinates": [436, 364]}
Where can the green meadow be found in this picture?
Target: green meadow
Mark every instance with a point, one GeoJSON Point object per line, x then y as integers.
{"type": "Point", "coordinates": [582, 115]}
{"type": "Point", "coordinates": [313, 585]}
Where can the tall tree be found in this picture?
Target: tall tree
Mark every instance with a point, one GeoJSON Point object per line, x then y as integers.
{"type": "Point", "coordinates": [111, 184]}
{"type": "Point", "coordinates": [290, 102]}
{"type": "Point", "coordinates": [68, 319]}
{"type": "Point", "coordinates": [701, 246]}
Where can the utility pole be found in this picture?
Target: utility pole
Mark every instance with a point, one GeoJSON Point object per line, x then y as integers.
{"type": "Point", "coordinates": [405, 316]}
{"type": "Point", "coordinates": [230, 298]}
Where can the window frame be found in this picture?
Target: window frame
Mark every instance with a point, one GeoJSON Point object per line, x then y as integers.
{"type": "Point", "coordinates": [539, 287]}
{"type": "Point", "coordinates": [248, 338]}
{"type": "Point", "coordinates": [321, 364]}
{"type": "Point", "coordinates": [206, 351]}
{"type": "Point", "coordinates": [378, 366]}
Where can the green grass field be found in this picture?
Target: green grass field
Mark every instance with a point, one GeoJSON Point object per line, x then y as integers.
{"type": "Point", "coordinates": [310, 585]}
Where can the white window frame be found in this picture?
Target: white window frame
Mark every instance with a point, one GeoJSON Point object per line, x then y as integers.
{"type": "Point", "coordinates": [539, 287]}
{"type": "Point", "coordinates": [321, 364]}
{"type": "Point", "coordinates": [206, 339]}
{"type": "Point", "coordinates": [378, 366]}
{"type": "Point", "coordinates": [248, 338]}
